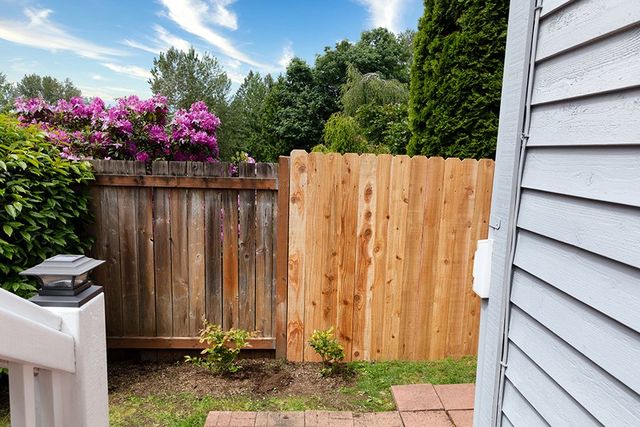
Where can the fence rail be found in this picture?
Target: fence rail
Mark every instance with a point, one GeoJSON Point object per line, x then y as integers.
{"type": "Point", "coordinates": [381, 247]}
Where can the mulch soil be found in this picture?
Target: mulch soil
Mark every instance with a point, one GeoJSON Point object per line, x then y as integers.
{"type": "Point", "coordinates": [259, 378]}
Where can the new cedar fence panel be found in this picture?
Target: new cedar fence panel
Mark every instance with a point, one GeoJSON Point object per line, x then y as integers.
{"type": "Point", "coordinates": [381, 248]}
{"type": "Point", "coordinates": [185, 241]}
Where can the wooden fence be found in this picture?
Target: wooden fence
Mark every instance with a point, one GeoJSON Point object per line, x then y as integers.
{"type": "Point", "coordinates": [381, 247]}
{"type": "Point", "coordinates": [190, 241]}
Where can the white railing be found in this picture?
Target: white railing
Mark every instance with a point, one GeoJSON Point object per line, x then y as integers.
{"type": "Point", "coordinates": [57, 362]}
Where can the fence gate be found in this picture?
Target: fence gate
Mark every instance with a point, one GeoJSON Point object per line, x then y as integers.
{"type": "Point", "coordinates": [185, 241]}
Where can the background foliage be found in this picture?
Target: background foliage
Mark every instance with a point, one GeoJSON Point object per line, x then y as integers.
{"type": "Point", "coordinates": [44, 203]}
{"type": "Point", "coordinates": [456, 78]}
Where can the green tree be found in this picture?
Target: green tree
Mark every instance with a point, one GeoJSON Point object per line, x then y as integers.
{"type": "Point", "coordinates": [370, 89]}
{"type": "Point", "coordinates": [342, 134]}
{"type": "Point", "coordinates": [385, 126]}
{"type": "Point", "coordinates": [46, 87]}
{"type": "Point", "coordinates": [291, 118]}
{"type": "Point", "coordinates": [456, 78]}
{"type": "Point", "coordinates": [186, 77]}
{"type": "Point", "coordinates": [7, 94]}
{"type": "Point", "coordinates": [246, 111]}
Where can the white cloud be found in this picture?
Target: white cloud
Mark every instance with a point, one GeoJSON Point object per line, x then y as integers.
{"type": "Point", "coordinates": [223, 16]}
{"type": "Point", "coordinates": [193, 16]}
{"type": "Point", "coordinates": [132, 70]}
{"type": "Point", "coordinates": [41, 32]}
{"type": "Point", "coordinates": [162, 41]}
{"type": "Point", "coordinates": [385, 13]}
{"type": "Point", "coordinates": [235, 76]}
{"type": "Point", "coordinates": [286, 56]}
{"type": "Point", "coordinates": [97, 77]}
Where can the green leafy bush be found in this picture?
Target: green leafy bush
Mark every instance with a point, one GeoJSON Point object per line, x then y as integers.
{"type": "Point", "coordinates": [223, 348]}
{"type": "Point", "coordinates": [456, 78]}
{"type": "Point", "coordinates": [44, 203]}
{"type": "Point", "coordinates": [328, 347]}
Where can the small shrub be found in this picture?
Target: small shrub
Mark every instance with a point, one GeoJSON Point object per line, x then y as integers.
{"type": "Point", "coordinates": [44, 203]}
{"type": "Point", "coordinates": [328, 347]}
{"type": "Point", "coordinates": [223, 348]}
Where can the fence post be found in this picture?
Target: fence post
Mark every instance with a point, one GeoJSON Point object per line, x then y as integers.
{"type": "Point", "coordinates": [86, 399]}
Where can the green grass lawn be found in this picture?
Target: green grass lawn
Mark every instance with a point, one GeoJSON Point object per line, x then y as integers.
{"type": "Point", "coordinates": [368, 390]}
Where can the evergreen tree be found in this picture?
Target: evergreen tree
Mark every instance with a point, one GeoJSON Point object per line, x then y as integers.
{"type": "Point", "coordinates": [246, 112]}
{"type": "Point", "coordinates": [456, 78]}
{"type": "Point", "coordinates": [46, 87]}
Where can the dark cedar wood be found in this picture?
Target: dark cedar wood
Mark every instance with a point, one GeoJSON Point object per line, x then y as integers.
{"type": "Point", "coordinates": [186, 182]}
{"type": "Point", "coordinates": [98, 228]}
{"type": "Point", "coordinates": [184, 343]}
{"type": "Point", "coordinates": [196, 243]}
{"type": "Point", "coordinates": [265, 254]}
{"type": "Point", "coordinates": [162, 255]}
{"type": "Point", "coordinates": [247, 253]}
{"type": "Point", "coordinates": [179, 254]}
{"type": "Point", "coordinates": [213, 246]}
{"type": "Point", "coordinates": [230, 259]}
{"type": "Point", "coordinates": [129, 279]}
{"type": "Point", "coordinates": [282, 258]}
{"type": "Point", "coordinates": [113, 287]}
{"type": "Point", "coordinates": [144, 241]}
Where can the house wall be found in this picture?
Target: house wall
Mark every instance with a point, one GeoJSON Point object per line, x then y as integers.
{"type": "Point", "coordinates": [568, 243]}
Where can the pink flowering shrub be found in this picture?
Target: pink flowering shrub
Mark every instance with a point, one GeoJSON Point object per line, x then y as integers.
{"type": "Point", "coordinates": [133, 129]}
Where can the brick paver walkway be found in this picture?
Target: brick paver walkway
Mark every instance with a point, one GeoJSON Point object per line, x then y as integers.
{"type": "Point", "coordinates": [419, 405]}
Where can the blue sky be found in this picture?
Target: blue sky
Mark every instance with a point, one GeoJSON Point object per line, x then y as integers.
{"type": "Point", "coordinates": [107, 47]}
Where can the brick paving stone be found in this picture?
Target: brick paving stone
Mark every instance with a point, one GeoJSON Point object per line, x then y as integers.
{"type": "Point", "coordinates": [456, 396]}
{"type": "Point", "coordinates": [218, 418]}
{"type": "Point", "coordinates": [462, 418]}
{"type": "Point", "coordinates": [280, 419]}
{"type": "Point", "coordinates": [378, 419]}
{"type": "Point", "coordinates": [328, 419]}
{"type": "Point", "coordinates": [425, 419]}
{"type": "Point", "coordinates": [416, 397]}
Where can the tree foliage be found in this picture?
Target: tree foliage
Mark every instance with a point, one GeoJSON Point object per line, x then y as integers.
{"type": "Point", "coordinates": [46, 87]}
{"type": "Point", "coordinates": [187, 77]}
{"type": "Point", "coordinates": [44, 203]}
{"type": "Point", "coordinates": [342, 134]}
{"type": "Point", "coordinates": [370, 89]}
{"type": "Point", "coordinates": [246, 111]}
{"type": "Point", "coordinates": [385, 126]}
{"type": "Point", "coordinates": [7, 94]}
{"type": "Point", "coordinates": [456, 78]}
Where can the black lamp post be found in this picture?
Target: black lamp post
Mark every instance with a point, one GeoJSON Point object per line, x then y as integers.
{"type": "Point", "coordinates": [64, 281]}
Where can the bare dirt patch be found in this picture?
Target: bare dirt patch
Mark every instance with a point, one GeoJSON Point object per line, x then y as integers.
{"type": "Point", "coordinates": [263, 378]}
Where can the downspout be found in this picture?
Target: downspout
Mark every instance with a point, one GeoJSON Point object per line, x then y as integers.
{"type": "Point", "coordinates": [506, 294]}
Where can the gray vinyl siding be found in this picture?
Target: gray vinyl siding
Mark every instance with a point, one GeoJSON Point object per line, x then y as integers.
{"type": "Point", "coordinates": [573, 289]}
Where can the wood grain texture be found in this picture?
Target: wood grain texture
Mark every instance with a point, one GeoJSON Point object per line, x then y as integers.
{"type": "Point", "coordinates": [583, 275]}
{"type": "Point", "coordinates": [572, 220]}
{"type": "Point", "coordinates": [146, 263]}
{"type": "Point", "coordinates": [346, 248]}
{"type": "Point", "coordinates": [180, 181]}
{"type": "Point", "coordinates": [413, 257]}
{"type": "Point", "coordinates": [582, 22]}
{"type": "Point", "coordinates": [162, 255]}
{"type": "Point", "coordinates": [179, 254]}
{"type": "Point", "coordinates": [179, 343]}
{"type": "Point", "coordinates": [213, 247]}
{"type": "Point", "coordinates": [364, 273]}
{"type": "Point", "coordinates": [380, 251]}
{"type": "Point", "coordinates": [230, 315]}
{"type": "Point", "coordinates": [265, 254]}
{"type": "Point", "coordinates": [282, 258]}
{"type": "Point", "coordinates": [196, 252]}
{"type": "Point", "coordinates": [609, 174]}
{"type": "Point", "coordinates": [247, 252]}
{"type": "Point", "coordinates": [296, 266]}
{"type": "Point", "coordinates": [606, 65]}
